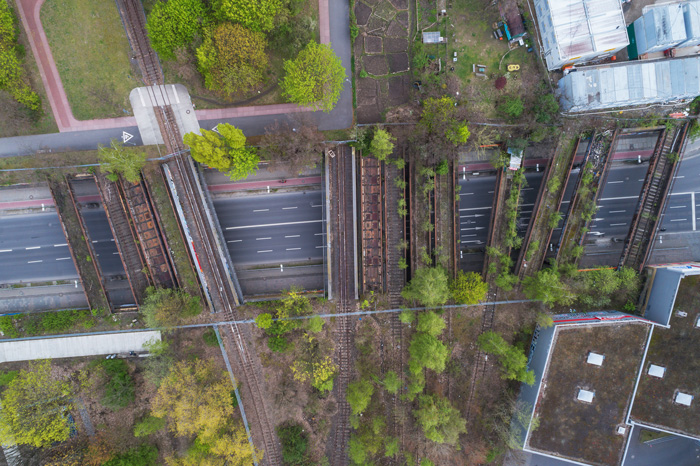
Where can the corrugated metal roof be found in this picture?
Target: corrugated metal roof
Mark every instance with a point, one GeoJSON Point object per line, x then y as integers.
{"type": "Point", "coordinates": [584, 26]}
{"type": "Point", "coordinates": [431, 37]}
{"type": "Point", "coordinates": [630, 83]}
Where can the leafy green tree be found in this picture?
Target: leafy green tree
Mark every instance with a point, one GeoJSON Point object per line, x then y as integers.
{"type": "Point", "coordinates": [512, 107]}
{"type": "Point", "coordinates": [546, 108]}
{"type": "Point", "coordinates": [426, 462]}
{"type": "Point", "coordinates": [440, 421]}
{"type": "Point", "coordinates": [469, 288]}
{"type": "Point", "coordinates": [430, 323]}
{"type": "Point", "coordinates": [513, 360]}
{"type": "Point", "coordinates": [429, 286]}
{"type": "Point", "coordinates": [382, 144]}
{"type": "Point", "coordinates": [428, 351]}
{"type": "Point", "coordinates": [264, 320]}
{"type": "Point", "coordinates": [257, 15]}
{"type": "Point", "coordinates": [226, 153]}
{"type": "Point", "coordinates": [391, 447]}
{"type": "Point", "coordinates": [359, 394]}
{"type": "Point", "coordinates": [174, 24]}
{"type": "Point", "coordinates": [314, 78]}
{"type": "Point", "coordinates": [118, 160]}
{"type": "Point", "coordinates": [544, 320]}
{"type": "Point", "coordinates": [392, 382]}
{"type": "Point", "coordinates": [232, 59]}
{"type": "Point", "coordinates": [315, 324]}
{"type": "Point", "coordinates": [440, 122]}
{"type": "Point", "coordinates": [34, 407]}
{"type": "Point", "coordinates": [167, 307]}
{"type": "Point", "coordinates": [546, 286]}
{"type": "Point", "coordinates": [294, 444]}
{"type": "Point", "coordinates": [357, 451]}
{"type": "Point", "coordinates": [407, 316]}
{"type": "Point", "coordinates": [148, 425]}
{"type": "Point", "coordinates": [119, 387]}
{"type": "Point", "coordinates": [12, 75]}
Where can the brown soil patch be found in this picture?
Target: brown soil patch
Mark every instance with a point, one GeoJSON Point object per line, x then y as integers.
{"type": "Point", "coordinates": [395, 45]}
{"type": "Point", "coordinates": [362, 13]}
{"type": "Point", "coordinates": [373, 44]}
{"type": "Point", "coordinates": [396, 29]}
{"type": "Point", "coordinates": [398, 62]}
{"type": "Point", "coordinates": [375, 65]}
{"type": "Point", "coordinates": [399, 89]}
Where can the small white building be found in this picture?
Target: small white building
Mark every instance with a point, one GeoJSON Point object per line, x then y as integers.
{"type": "Point", "coordinates": [660, 28]}
{"type": "Point", "coordinates": [579, 31]}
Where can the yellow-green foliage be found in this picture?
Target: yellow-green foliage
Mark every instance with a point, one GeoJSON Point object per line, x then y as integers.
{"type": "Point", "coordinates": [12, 78]}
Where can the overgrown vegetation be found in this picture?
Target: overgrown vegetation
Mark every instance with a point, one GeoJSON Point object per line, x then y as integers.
{"type": "Point", "coordinates": [225, 151]}
{"type": "Point", "coordinates": [167, 307]}
{"type": "Point", "coordinates": [118, 160]}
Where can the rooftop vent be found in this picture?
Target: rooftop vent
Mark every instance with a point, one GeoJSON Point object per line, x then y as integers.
{"type": "Point", "coordinates": [684, 399]}
{"type": "Point", "coordinates": [621, 430]}
{"type": "Point", "coordinates": [585, 396]}
{"type": "Point", "coordinates": [697, 321]}
{"type": "Point", "coordinates": [595, 358]}
{"type": "Point", "coordinates": [656, 371]}
{"type": "Point", "coordinates": [681, 314]}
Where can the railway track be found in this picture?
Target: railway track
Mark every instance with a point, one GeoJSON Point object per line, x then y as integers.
{"type": "Point", "coordinates": [343, 222]}
{"type": "Point", "coordinates": [481, 360]}
{"type": "Point", "coordinates": [217, 285]}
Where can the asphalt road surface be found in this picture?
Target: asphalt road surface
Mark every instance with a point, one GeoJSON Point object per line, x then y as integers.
{"type": "Point", "coordinates": [564, 211]}
{"type": "Point", "coordinates": [273, 229]}
{"type": "Point", "coordinates": [678, 240]}
{"type": "Point", "coordinates": [103, 242]}
{"type": "Point", "coordinates": [475, 205]}
{"type": "Point", "coordinates": [616, 207]}
{"type": "Point", "coordinates": [33, 248]}
{"type": "Point", "coordinates": [528, 198]}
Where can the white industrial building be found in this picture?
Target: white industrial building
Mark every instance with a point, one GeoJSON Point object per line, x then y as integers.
{"type": "Point", "coordinates": [630, 83]}
{"type": "Point", "coordinates": [668, 26]}
{"type": "Point", "coordinates": [579, 31]}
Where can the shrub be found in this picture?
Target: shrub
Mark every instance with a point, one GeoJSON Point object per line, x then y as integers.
{"type": "Point", "coordinates": [512, 107]}
{"type": "Point", "coordinates": [294, 444]}
{"type": "Point", "coordinates": [149, 425]}
{"type": "Point", "coordinates": [277, 343]}
{"type": "Point", "coordinates": [144, 455]}
{"type": "Point", "coordinates": [119, 389]}
{"type": "Point", "coordinates": [7, 327]}
{"type": "Point", "coordinates": [209, 338]}
{"type": "Point", "coordinates": [7, 376]}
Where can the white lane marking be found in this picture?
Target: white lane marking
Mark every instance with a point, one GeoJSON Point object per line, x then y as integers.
{"type": "Point", "coordinates": [679, 177]}
{"type": "Point", "coordinates": [617, 198]}
{"type": "Point", "coordinates": [34, 262]}
{"type": "Point", "coordinates": [692, 200]}
{"type": "Point", "coordinates": [315, 205]}
{"type": "Point", "coordinates": [679, 219]}
{"type": "Point", "coordinates": [273, 224]}
{"type": "Point", "coordinates": [260, 239]}
{"type": "Point", "coordinates": [319, 234]}
{"type": "Point", "coordinates": [472, 241]}
{"type": "Point", "coordinates": [63, 258]}
{"type": "Point", "coordinates": [234, 241]}
{"type": "Point", "coordinates": [466, 194]}
{"type": "Point", "coordinates": [293, 249]}
{"type": "Point", "coordinates": [60, 245]}
{"type": "Point", "coordinates": [613, 182]}
{"type": "Point", "coordinates": [467, 236]}
{"type": "Point", "coordinates": [617, 211]}
{"type": "Point", "coordinates": [33, 247]}
{"type": "Point", "coordinates": [678, 207]}
{"type": "Point", "coordinates": [617, 224]}
{"type": "Point", "coordinates": [641, 179]}
{"type": "Point", "coordinates": [115, 253]}
{"type": "Point", "coordinates": [5, 250]}
{"type": "Point", "coordinates": [491, 192]}
{"type": "Point", "coordinates": [320, 247]}
{"type": "Point", "coordinates": [292, 236]}
{"type": "Point", "coordinates": [262, 210]}
{"type": "Point", "coordinates": [94, 241]}
{"type": "Point", "coordinates": [266, 250]}
{"type": "Point", "coordinates": [527, 189]}
{"type": "Point", "coordinates": [475, 208]}
{"type": "Point", "coordinates": [288, 208]}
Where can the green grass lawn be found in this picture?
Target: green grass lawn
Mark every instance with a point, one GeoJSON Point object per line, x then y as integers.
{"type": "Point", "coordinates": [89, 45]}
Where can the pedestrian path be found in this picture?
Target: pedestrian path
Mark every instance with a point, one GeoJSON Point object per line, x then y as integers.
{"type": "Point", "coordinates": [73, 347]}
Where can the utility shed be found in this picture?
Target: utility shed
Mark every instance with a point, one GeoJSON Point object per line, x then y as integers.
{"type": "Point", "coordinates": [660, 28]}
{"type": "Point", "coordinates": [691, 17]}
{"type": "Point", "coordinates": [630, 83]}
{"type": "Point", "coordinates": [578, 31]}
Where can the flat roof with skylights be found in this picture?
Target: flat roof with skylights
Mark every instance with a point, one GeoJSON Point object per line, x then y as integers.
{"type": "Point", "coordinates": [659, 401]}
{"type": "Point", "coordinates": [586, 390]}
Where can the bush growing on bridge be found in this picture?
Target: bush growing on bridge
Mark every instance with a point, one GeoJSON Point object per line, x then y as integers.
{"type": "Point", "coordinates": [165, 307]}
{"type": "Point", "coordinates": [468, 288]}
{"type": "Point", "coordinates": [429, 286]}
{"type": "Point", "coordinates": [118, 160]}
{"type": "Point", "coordinates": [225, 151]}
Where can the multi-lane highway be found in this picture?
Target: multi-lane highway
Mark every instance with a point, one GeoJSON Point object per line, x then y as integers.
{"type": "Point", "coordinates": [33, 248]}
{"type": "Point", "coordinates": [103, 242]}
{"type": "Point", "coordinates": [528, 198]}
{"type": "Point", "coordinates": [273, 229]}
{"type": "Point", "coordinates": [475, 205]}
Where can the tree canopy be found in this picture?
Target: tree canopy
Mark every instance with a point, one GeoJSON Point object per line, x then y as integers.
{"type": "Point", "coordinates": [256, 15]}
{"type": "Point", "coordinates": [167, 307]}
{"type": "Point", "coordinates": [513, 360]}
{"type": "Point", "coordinates": [225, 151]}
{"type": "Point", "coordinates": [34, 408]}
{"type": "Point", "coordinates": [427, 351]}
{"type": "Point", "coordinates": [430, 323]}
{"type": "Point", "coordinates": [547, 287]}
{"type": "Point", "coordinates": [174, 24]}
{"type": "Point", "coordinates": [382, 144]}
{"type": "Point", "coordinates": [314, 78]}
{"type": "Point", "coordinates": [359, 394]}
{"type": "Point", "coordinates": [12, 76]}
{"type": "Point", "coordinates": [429, 286]}
{"type": "Point", "coordinates": [298, 144]}
{"type": "Point", "coordinates": [469, 288]}
{"type": "Point", "coordinates": [441, 128]}
{"type": "Point", "coordinates": [117, 160]}
{"type": "Point", "coordinates": [440, 421]}
{"type": "Point", "coordinates": [232, 59]}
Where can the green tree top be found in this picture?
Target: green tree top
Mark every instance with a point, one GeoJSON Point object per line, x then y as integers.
{"type": "Point", "coordinates": [226, 153]}
{"type": "Point", "coordinates": [430, 323]}
{"type": "Point", "coordinates": [34, 408]}
{"type": "Point", "coordinates": [382, 144]}
{"type": "Point", "coordinates": [314, 78]}
{"type": "Point", "coordinates": [513, 361]}
{"type": "Point", "coordinates": [167, 307]}
{"type": "Point", "coordinates": [469, 288]}
{"type": "Point", "coordinates": [117, 160]}
{"type": "Point", "coordinates": [427, 351]}
{"type": "Point", "coordinates": [440, 421]}
{"type": "Point", "coordinates": [429, 286]}
{"type": "Point", "coordinates": [439, 118]}
{"type": "Point", "coordinates": [174, 24]}
{"type": "Point", "coordinates": [547, 287]}
{"type": "Point", "coordinates": [359, 394]}
{"type": "Point", "coordinates": [257, 15]}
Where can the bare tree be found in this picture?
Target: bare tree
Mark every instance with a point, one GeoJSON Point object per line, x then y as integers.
{"type": "Point", "coordinates": [297, 143]}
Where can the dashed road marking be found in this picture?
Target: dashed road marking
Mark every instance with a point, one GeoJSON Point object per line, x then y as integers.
{"type": "Point", "coordinates": [34, 262]}
{"type": "Point", "coordinates": [288, 208]}
{"type": "Point", "coordinates": [261, 239]}
{"type": "Point", "coordinates": [266, 250]}
{"type": "Point", "coordinates": [262, 210]}
{"type": "Point", "coordinates": [5, 250]}
{"type": "Point", "coordinates": [293, 249]}
{"type": "Point", "coordinates": [33, 247]}
{"type": "Point", "coordinates": [273, 224]}
{"type": "Point", "coordinates": [63, 258]}
{"type": "Point", "coordinates": [60, 245]}
{"type": "Point", "coordinates": [292, 236]}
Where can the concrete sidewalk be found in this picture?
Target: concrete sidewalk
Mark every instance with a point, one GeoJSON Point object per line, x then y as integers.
{"type": "Point", "coordinates": [74, 347]}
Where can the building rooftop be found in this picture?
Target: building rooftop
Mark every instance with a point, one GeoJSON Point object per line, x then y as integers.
{"type": "Point", "coordinates": [583, 426]}
{"type": "Point", "coordinates": [678, 350]}
{"type": "Point", "coordinates": [584, 26]}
